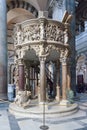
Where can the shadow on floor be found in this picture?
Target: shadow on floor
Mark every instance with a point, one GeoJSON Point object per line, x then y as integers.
{"type": "Point", "coordinates": [13, 122]}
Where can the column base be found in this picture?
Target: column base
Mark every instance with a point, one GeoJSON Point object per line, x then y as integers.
{"type": "Point", "coordinates": [64, 103]}
{"type": "Point", "coordinates": [43, 105]}
{"type": "Point", "coordinates": [57, 99]}
{"type": "Point", "coordinates": [58, 94]}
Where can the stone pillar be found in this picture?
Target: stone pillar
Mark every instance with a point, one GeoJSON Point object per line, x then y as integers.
{"type": "Point", "coordinates": [58, 82]}
{"type": "Point", "coordinates": [3, 50]}
{"type": "Point", "coordinates": [69, 5]}
{"type": "Point", "coordinates": [9, 74]}
{"type": "Point", "coordinates": [36, 81]}
{"type": "Point", "coordinates": [64, 82]}
{"type": "Point", "coordinates": [59, 7]}
{"type": "Point", "coordinates": [64, 79]}
{"type": "Point", "coordinates": [21, 81]}
{"type": "Point", "coordinates": [27, 82]}
{"type": "Point", "coordinates": [27, 77]}
{"type": "Point", "coordinates": [68, 77]}
{"type": "Point", "coordinates": [42, 80]}
{"type": "Point", "coordinates": [16, 77]}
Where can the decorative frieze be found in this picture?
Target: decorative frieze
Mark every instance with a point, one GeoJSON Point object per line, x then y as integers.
{"type": "Point", "coordinates": [31, 33]}
{"type": "Point", "coordinates": [54, 33]}
{"type": "Point", "coordinates": [38, 30]}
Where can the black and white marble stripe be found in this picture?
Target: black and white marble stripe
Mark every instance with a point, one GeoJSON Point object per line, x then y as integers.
{"type": "Point", "coordinates": [22, 4]}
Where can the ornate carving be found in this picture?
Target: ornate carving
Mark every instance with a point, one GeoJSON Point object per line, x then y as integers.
{"type": "Point", "coordinates": [31, 33]}
{"type": "Point", "coordinates": [54, 33]}
{"type": "Point", "coordinates": [42, 29]}
{"type": "Point", "coordinates": [23, 98]}
{"type": "Point", "coordinates": [39, 30]}
{"type": "Point", "coordinates": [49, 48]}
{"type": "Point", "coordinates": [20, 53]}
{"type": "Point", "coordinates": [63, 56]}
{"type": "Point", "coordinates": [42, 35]}
{"type": "Point", "coordinates": [18, 34]}
{"type": "Point", "coordinates": [40, 50]}
{"type": "Point", "coordinates": [66, 35]}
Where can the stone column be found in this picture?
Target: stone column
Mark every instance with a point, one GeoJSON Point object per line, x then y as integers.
{"type": "Point", "coordinates": [42, 80]}
{"type": "Point", "coordinates": [9, 74]}
{"type": "Point", "coordinates": [68, 77]}
{"type": "Point", "coordinates": [58, 82]}
{"type": "Point", "coordinates": [64, 81]}
{"type": "Point", "coordinates": [36, 81]}
{"type": "Point", "coordinates": [27, 77]}
{"type": "Point", "coordinates": [21, 81]}
{"type": "Point", "coordinates": [69, 5]}
{"type": "Point", "coordinates": [3, 50]}
{"type": "Point", "coordinates": [59, 7]}
{"type": "Point", "coordinates": [16, 77]}
{"type": "Point", "coordinates": [27, 81]}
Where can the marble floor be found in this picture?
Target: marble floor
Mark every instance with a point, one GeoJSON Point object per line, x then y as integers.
{"type": "Point", "coordinates": [77, 121]}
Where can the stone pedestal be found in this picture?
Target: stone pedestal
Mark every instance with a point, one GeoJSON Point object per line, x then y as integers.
{"type": "Point", "coordinates": [3, 50]}
{"type": "Point", "coordinates": [64, 103]}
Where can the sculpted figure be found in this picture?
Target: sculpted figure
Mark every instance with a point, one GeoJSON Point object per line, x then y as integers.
{"type": "Point", "coordinates": [23, 98]}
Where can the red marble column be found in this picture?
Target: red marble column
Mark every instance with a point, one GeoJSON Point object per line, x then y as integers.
{"type": "Point", "coordinates": [68, 77]}
{"type": "Point", "coordinates": [21, 81]}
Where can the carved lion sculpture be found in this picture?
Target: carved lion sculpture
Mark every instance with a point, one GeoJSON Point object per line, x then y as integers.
{"type": "Point", "coordinates": [23, 98]}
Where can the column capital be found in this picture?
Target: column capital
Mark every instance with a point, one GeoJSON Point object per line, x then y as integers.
{"type": "Point", "coordinates": [63, 60]}
{"type": "Point", "coordinates": [42, 58]}
{"type": "Point", "coordinates": [20, 62]}
{"type": "Point", "coordinates": [64, 55]}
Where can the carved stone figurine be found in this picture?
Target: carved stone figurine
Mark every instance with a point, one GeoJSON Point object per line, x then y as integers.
{"type": "Point", "coordinates": [23, 98]}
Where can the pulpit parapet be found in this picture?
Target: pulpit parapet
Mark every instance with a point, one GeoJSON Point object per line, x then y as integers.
{"type": "Point", "coordinates": [41, 30]}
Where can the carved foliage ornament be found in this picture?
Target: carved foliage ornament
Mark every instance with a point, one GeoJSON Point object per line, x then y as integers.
{"type": "Point", "coordinates": [31, 33]}
{"type": "Point", "coordinates": [63, 55]}
{"type": "Point", "coordinates": [54, 33]}
{"type": "Point", "coordinates": [38, 31]}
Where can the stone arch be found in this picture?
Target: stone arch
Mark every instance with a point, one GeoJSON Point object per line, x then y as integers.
{"type": "Point", "coordinates": [81, 68]}
{"type": "Point", "coordinates": [80, 57]}
{"type": "Point", "coordinates": [22, 4]}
